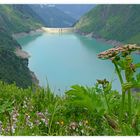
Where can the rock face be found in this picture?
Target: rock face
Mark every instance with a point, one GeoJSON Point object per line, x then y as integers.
{"type": "Point", "coordinates": [14, 69]}
{"type": "Point", "coordinates": [25, 60]}
{"type": "Point", "coordinates": [20, 53]}
{"type": "Point", "coordinates": [34, 78]}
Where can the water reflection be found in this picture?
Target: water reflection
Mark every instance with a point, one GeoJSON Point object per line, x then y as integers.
{"type": "Point", "coordinates": [27, 39]}
{"type": "Point", "coordinates": [67, 59]}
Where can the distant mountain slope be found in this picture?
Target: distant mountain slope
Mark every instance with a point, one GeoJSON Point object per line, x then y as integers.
{"type": "Point", "coordinates": [75, 10]}
{"type": "Point", "coordinates": [13, 19]}
{"type": "Point", "coordinates": [18, 18]}
{"type": "Point", "coordinates": [52, 16]}
{"type": "Point", "coordinates": [116, 22]}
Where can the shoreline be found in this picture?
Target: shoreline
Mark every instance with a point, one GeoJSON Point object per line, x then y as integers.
{"type": "Point", "coordinates": [114, 43]}
{"type": "Point", "coordinates": [21, 53]}
{"type": "Point", "coordinates": [34, 78]}
{"type": "Point", "coordinates": [93, 36]}
{"type": "Point", "coordinates": [25, 55]}
{"type": "Point", "coordinates": [22, 34]}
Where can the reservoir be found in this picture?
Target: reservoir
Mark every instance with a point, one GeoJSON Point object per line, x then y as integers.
{"type": "Point", "coordinates": [67, 59]}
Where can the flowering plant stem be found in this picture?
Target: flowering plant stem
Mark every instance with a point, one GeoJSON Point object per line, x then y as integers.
{"type": "Point", "coordinates": [54, 111]}
{"type": "Point", "coordinates": [10, 122]}
{"type": "Point", "coordinates": [123, 92]}
{"type": "Point", "coordinates": [129, 106]}
{"type": "Point", "coordinates": [107, 102]}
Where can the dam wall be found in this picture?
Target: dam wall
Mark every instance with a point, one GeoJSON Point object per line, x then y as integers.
{"type": "Point", "coordinates": [58, 30]}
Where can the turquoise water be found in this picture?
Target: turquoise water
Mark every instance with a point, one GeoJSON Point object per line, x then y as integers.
{"type": "Point", "coordinates": [67, 59]}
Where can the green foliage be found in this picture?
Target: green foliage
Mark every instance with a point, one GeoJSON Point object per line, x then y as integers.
{"type": "Point", "coordinates": [14, 19]}
{"type": "Point", "coordinates": [17, 18]}
{"type": "Point", "coordinates": [85, 98]}
{"type": "Point", "coordinates": [82, 111]}
{"type": "Point", "coordinates": [96, 110]}
{"type": "Point", "coordinates": [14, 69]}
{"type": "Point", "coordinates": [113, 22]}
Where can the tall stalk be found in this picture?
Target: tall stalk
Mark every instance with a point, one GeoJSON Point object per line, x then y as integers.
{"type": "Point", "coordinates": [129, 107]}
{"type": "Point", "coordinates": [129, 71]}
{"type": "Point", "coordinates": [118, 72]}
{"type": "Point", "coordinates": [121, 57]}
{"type": "Point", "coordinates": [123, 92]}
{"type": "Point", "coordinates": [106, 102]}
{"type": "Point", "coordinates": [51, 120]}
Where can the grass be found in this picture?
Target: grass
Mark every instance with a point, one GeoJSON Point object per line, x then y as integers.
{"type": "Point", "coordinates": [81, 111]}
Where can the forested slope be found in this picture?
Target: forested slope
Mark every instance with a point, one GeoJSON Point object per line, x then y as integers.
{"type": "Point", "coordinates": [14, 19]}
{"type": "Point", "coordinates": [115, 22]}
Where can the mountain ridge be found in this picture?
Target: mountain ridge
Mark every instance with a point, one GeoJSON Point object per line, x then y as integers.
{"type": "Point", "coordinates": [52, 16]}
{"type": "Point", "coordinates": [112, 22]}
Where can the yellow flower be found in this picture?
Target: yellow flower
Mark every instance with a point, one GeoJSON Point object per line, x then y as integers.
{"type": "Point", "coordinates": [62, 122]}
{"type": "Point", "coordinates": [86, 121]}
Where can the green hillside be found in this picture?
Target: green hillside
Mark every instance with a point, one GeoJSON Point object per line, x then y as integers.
{"type": "Point", "coordinates": [14, 19]}
{"type": "Point", "coordinates": [14, 69]}
{"type": "Point", "coordinates": [116, 22]}
{"type": "Point", "coordinates": [29, 110]}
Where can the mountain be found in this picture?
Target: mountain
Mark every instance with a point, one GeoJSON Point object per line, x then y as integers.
{"type": "Point", "coordinates": [75, 10]}
{"type": "Point", "coordinates": [18, 18]}
{"type": "Point", "coordinates": [115, 22]}
{"type": "Point", "coordinates": [52, 16]}
{"type": "Point", "coordinates": [14, 19]}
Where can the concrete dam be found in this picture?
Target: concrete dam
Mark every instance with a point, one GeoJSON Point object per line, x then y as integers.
{"type": "Point", "coordinates": [58, 30]}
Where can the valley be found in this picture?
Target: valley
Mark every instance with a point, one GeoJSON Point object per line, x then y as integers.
{"type": "Point", "coordinates": [64, 59]}
{"type": "Point", "coordinates": [69, 70]}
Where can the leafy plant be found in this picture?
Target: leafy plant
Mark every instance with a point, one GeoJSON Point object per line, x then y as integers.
{"type": "Point", "coordinates": [123, 63]}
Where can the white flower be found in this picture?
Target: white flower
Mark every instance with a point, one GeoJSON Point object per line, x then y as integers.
{"type": "Point", "coordinates": [46, 122]}
{"type": "Point", "coordinates": [13, 129]}
{"type": "Point", "coordinates": [57, 122]}
{"type": "Point", "coordinates": [46, 112]}
{"type": "Point", "coordinates": [30, 124]}
{"type": "Point", "coordinates": [80, 123]}
{"type": "Point", "coordinates": [43, 120]}
{"type": "Point", "coordinates": [25, 106]}
{"type": "Point", "coordinates": [14, 125]}
{"type": "Point", "coordinates": [73, 125]}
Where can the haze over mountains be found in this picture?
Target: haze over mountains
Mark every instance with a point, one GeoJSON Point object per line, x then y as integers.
{"type": "Point", "coordinates": [75, 10]}
{"type": "Point", "coordinates": [60, 15]}
{"type": "Point", "coordinates": [53, 17]}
